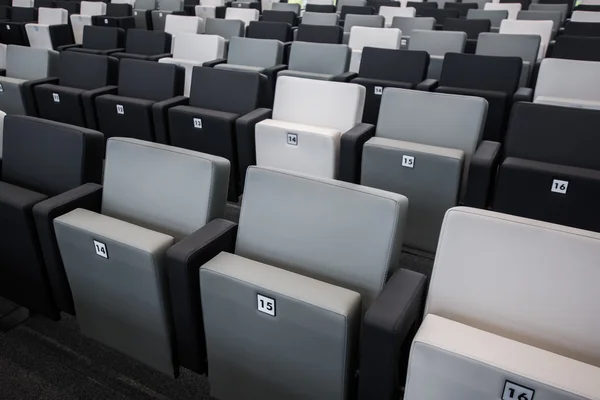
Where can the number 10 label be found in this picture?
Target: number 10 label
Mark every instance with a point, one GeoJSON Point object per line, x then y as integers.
{"type": "Point", "coordinates": [512, 391]}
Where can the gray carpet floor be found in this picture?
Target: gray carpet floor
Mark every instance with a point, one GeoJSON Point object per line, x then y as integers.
{"type": "Point", "coordinates": [47, 360]}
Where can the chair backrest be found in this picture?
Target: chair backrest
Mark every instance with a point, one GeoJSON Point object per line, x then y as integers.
{"type": "Point", "coordinates": [582, 29]}
{"type": "Point", "coordinates": [50, 157]}
{"type": "Point", "coordinates": [286, 7]}
{"type": "Point", "coordinates": [553, 314]}
{"type": "Point", "coordinates": [562, 8]}
{"type": "Point", "coordinates": [150, 80]}
{"type": "Point", "coordinates": [440, 15]}
{"type": "Point", "coordinates": [103, 37]}
{"type": "Point", "coordinates": [463, 8]}
{"type": "Point", "coordinates": [119, 9]}
{"type": "Point", "coordinates": [469, 71]}
{"type": "Point", "coordinates": [289, 17]}
{"type": "Point", "coordinates": [175, 24]}
{"type": "Point", "coordinates": [141, 41]}
{"type": "Point", "coordinates": [570, 79]}
{"type": "Point", "coordinates": [437, 43]}
{"type": "Point", "coordinates": [577, 48]}
{"type": "Point", "coordinates": [199, 48]}
{"type": "Point", "coordinates": [585, 16]}
{"type": "Point", "coordinates": [385, 38]}
{"type": "Point", "coordinates": [224, 27]}
{"type": "Point", "coordinates": [512, 8]}
{"type": "Point", "coordinates": [542, 28]}
{"type": "Point", "coordinates": [342, 3]}
{"type": "Point", "coordinates": [315, 18]}
{"type": "Point", "coordinates": [407, 25]}
{"type": "Point", "coordinates": [146, 4]}
{"type": "Point", "coordinates": [93, 8]}
{"type": "Point", "coordinates": [373, 21]}
{"type": "Point", "coordinates": [472, 27]}
{"type": "Point", "coordinates": [53, 16]}
{"type": "Point", "coordinates": [213, 3]}
{"type": "Point", "coordinates": [170, 5]}
{"type": "Point", "coordinates": [495, 16]}
{"type": "Point", "coordinates": [129, 2]}
{"type": "Point", "coordinates": [554, 16]}
{"type": "Point", "coordinates": [23, 14]}
{"type": "Point", "coordinates": [320, 34]}
{"type": "Point", "coordinates": [130, 189]}
{"type": "Point", "coordinates": [269, 233]}
{"type": "Point", "coordinates": [243, 14]}
{"type": "Point", "coordinates": [302, 101]}
{"type": "Point", "coordinates": [29, 63]}
{"type": "Point", "coordinates": [270, 30]}
{"type": "Point", "coordinates": [255, 52]}
{"type": "Point", "coordinates": [87, 71]}
{"type": "Point", "coordinates": [394, 65]}
{"type": "Point", "coordinates": [228, 91]}
{"type": "Point", "coordinates": [322, 58]}
{"type": "Point", "coordinates": [494, 44]}
{"type": "Point", "coordinates": [22, 3]}
{"type": "Point", "coordinates": [389, 13]}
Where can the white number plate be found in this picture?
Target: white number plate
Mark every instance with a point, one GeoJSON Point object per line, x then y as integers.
{"type": "Point", "coordinates": [100, 249]}
{"type": "Point", "coordinates": [197, 123]}
{"type": "Point", "coordinates": [265, 304]}
{"type": "Point", "coordinates": [559, 186]}
{"type": "Point", "coordinates": [292, 139]}
{"type": "Point", "coordinates": [378, 90]}
{"type": "Point", "coordinates": [512, 391]}
{"type": "Point", "coordinates": [56, 97]}
{"type": "Point", "coordinates": [120, 109]}
{"type": "Point", "coordinates": [408, 161]}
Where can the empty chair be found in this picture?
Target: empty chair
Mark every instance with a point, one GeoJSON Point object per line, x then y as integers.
{"type": "Point", "coordinates": [87, 10]}
{"type": "Point", "coordinates": [320, 34]}
{"type": "Point", "coordinates": [407, 25]}
{"type": "Point", "coordinates": [569, 83]}
{"type": "Point", "coordinates": [287, 7]}
{"type": "Point", "coordinates": [464, 344]}
{"type": "Point", "coordinates": [210, 121]}
{"type": "Point", "coordinates": [585, 16]}
{"type": "Point", "coordinates": [243, 14]}
{"type": "Point", "coordinates": [192, 50]}
{"type": "Point", "coordinates": [496, 79]}
{"type": "Point", "coordinates": [582, 29]}
{"type": "Point", "coordinates": [120, 287]}
{"type": "Point", "coordinates": [271, 30]}
{"type": "Point", "coordinates": [577, 48]}
{"type": "Point", "coordinates": [315, 18]}
{"type": "Point", "coordinates": [25, 68]}
{"type": "Point", "coordinates": [119, 13]}
{"type": "Point", "coordinates": [52, 29]}
{"type": "Point", "coordinates": [224, 28]}
{"type": "Point", "coordinates": [524, 46]}
{"type": "Point", "coordinates": [146, 45]}
{"type": "Point", "coordinates": [372, 21]}
{"type": "Point", "coordinates": [210, 9]}
{"type": "Point", "coordinates": [132, 110]}
{"type": "Point", "coordinates": [253, 4]}
{"type": "Point", "coordinates": [550, 167]}
{"type": "Point", "coordinates": [320, 6]}
{"type": "Point", "coordinates": [437, 44]}
{"type": "Point", "coordinates": [81, 78]}
{"type": "Point", "coordinates": [99, 40]}
{"type": "Point", "coordinates": [361, 37]}
{"type": "Point", "coordinates": [352, 3]}
{"type": "Point", "coordinates": [165, 8]}
{"type": "Point", "coordinates": [356, 10]}
{"type": "Point", "coordinates": [512, 8]}
{"type": "Point", "coordinates": [288, 17]}
{"type": "Point", "coordinates": [322, 61]}
{"type": "Point", "coordinates": [176, 24]}
{"type": "Point", "coordinates": [472, 27]}
{"type": "Point", "coordinates": [495, 16]}
{"type": "Point", "coordinates": [23, 3]}
{"type": "Point", "coordinates": [541, 28]}
{"type": "Point", "coordinates": [390, 12]}
{"type": "Point", "coordinates": [142, 13]}
{"type": "Point", "coordinates": [562, 8]}
{"type": "Point", "coordinates": [440, 15]}
{"type": "Point", "coordinates": [381, 68]}
{"type": "Point", "coordinates": [463, 8]}
{"type": "Point", "coordinates": [554, 16]}
{"type": "Point", "coordinates": [422, 5]}
{"type": "Point", "coordinates": [13, 31]}
{"type": "Point", "coordinates": [46, 168]}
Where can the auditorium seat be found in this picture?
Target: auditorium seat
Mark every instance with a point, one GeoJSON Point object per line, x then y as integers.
{"type": "Point", "coordinates": [226, 28]}
{"type": "Point", "coordinates": [247, 4]}
{"type": "Point", "coordinates": [115, 250]}
{"type": "Point", "coordinates": [582, 29]}
{"type": "Point", "coordinates": [512, 8]}
{"type": "Point", "coordinates": [176, 24]}
{"type": "Point", "coordinates": [322, 61]}
{"type": "Point", "coordinates": [288, 17]}
{"type": "Point", "coordinates": [554, 16]}
{"type": "Point", "coordinates": [541, 28]}
{"type": "Point", "coordinates": [145, 91]}
{"type": "Point", "coordinates": [26, 67]}
{"type": "Point", "coordinates": [408, 25]}
{"type": "Point", "coordinates": [70, 98]}
{"type": "Point", "coordinates": [142, 13]}
{"type": "Point", "coordinates": [477, 341]}
{"type": "Point", "coordinates": [585, 16]}
{"type": "Point", "coordinates": [46, 168]}
{"type": "Point", "coordinates": [52, 29]}
{"type": "Point", "coordinates": [243, 14]}
{"type": "Point", "coordinates": [87, 10]}
{"type": "Point", "coordinates": [165, 8]}
{"type": "Point", "coordinates": [382, 68]}
{"type": "Point", "coordinates": [472, 27]}
{"type": "Point", "coordinates": [569, 83]}
{"type": "Point", "coordinates": [495, 16]}
{"type": "Point", "coordinates": [463, 8]}
{"type": "Point", "coordinates": [550, 169]}
{"type": "Point", "coordinates": [279, 6]}
{"type": "Point", "coordinates": [562, 8]}
{"type": "Point", "coordinates": [210, 9]}
{"type": "Point", "coordinates": [271, 30]}
{"type": "Point", "coordinates": [437, 44]}
{"type": "Point", "coordinates": [332, 34]}
{"type": "Point", "coordinates": [99, 40]}
{"type": "Point", "coordinates": [13, 31]}
{"type": "Point", "coordinates": [577, 48]}
{"type": "Point", "coordinates": [142, 44]}
{"type": "Point", "coordinates": [316, 18]}
{"type": "Point", "coordinates": [361, 37]}
{"type": "Point", "coordinates": [119, 13]}
{"type": "Point", "coordinates": [349, 3]}
{"type": "Point", "coordinates": [219, 118]}
{"type": "Point", "coordinates": [440, 15]}
{"type": "Point", "coordinates": [389, 13]}
{"type": "Point", "coordinates": [326, 6]}
{"type": "Point", "coordinates": [192, 50]}
{"type": "Point", "coordinates": [372, 21]}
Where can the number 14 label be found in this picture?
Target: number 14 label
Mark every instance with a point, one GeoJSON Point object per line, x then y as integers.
{"type": "Point", "coordinates": [512, 391]}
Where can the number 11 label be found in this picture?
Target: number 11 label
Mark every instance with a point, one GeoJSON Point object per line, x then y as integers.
{"type": "Point", "coordinates": [266, 304]}
{"type": "Point", "coordinates": [512, 391]}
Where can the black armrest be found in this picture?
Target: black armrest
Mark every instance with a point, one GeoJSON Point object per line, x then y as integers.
{"type": "Point", "coordinates": [160, 112]}
{"type": "Point", "coordinates": [2, 72]}
{"type": "Point", "coordinates": [67, 46]}
{"type": "Point", "coordinates": [212, 63]}
{"type": "Point", "coordinates": [482, 174]}
{"type": "Point", "coordinates": [88, 196]}
{"type": "Point", "coordinates": [157, 57]}
{"type": "Point", "coordinates": [29, 102]}
{"type": "Point", "coordinates": [351, 149]}
{"type": "Point", "coordinates": [244, 131]}
{"type": "Point", "coordinates": [428, 85]}
{"type": "Point", "coordinates": [88, 99]}
{"type": "Point", "coordinates": [523, 94]}
{"type": "Point", "coordinates": [345, 77]}
{"type": "Point", "coordinates": [271, 74]}
{"type": "Point", "coordinates": [184, 260]}
{"type": "Point", "coordinates": [388, 329]}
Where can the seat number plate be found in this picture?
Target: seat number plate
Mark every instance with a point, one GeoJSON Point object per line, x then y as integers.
{"type": "Point", "coordinates": [100, 249]}
{"type": "Point", "coordinates": [378, 90]}
{"type": "Point", "coordinates": [512, 391]}
{"type": "Point", "coordinates": [408, 161]}
{"type": "Point", "coordinates": [292, 139]}
{"type": "Point", "coordinates": [56, 97]}
{"type": "Point", "coordinates": [559, 186]}
{"type": "Point", "coordinates": [197, 123]}
{"type": "Point", "coordinates": [1, 88]}
{"type": "Point", "coordinates": [120, 109]}
{"type": "Point", "coordinates": [265, 304]}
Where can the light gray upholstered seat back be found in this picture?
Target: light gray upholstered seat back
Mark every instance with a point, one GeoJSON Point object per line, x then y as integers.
{"type": "Point", "coordinates": [320, 58]}
{"type": "Point", "coordinates": [226, 28]}
{"type": "Point", "coordinates": [341, 233]}
{"type": "Point", "coordinates": [294, 7]}
{"type": "Point", "coordinates": [371, 21]}
{"type": "Point", "coordinates": [317, 18]}
{"type": "Point", "coordinates": [408, 24]}
{"type": "Point", "coordinates": [526, 280]}
{"type": "Point", "coordinates": [437, 43]}
{"type": "Point", "coordinates": [170, 5]}
{"type": "Point", "coordinates": [146, 4]}
{"type": "Point", "coordinates": [571, 79]}
{"type": "Point", "coordinates": [435, 119]}
{"type": "Point", "coordinates": [30, 63]}
{"type": "Point", "coordinates": [495, 16]}
{"type": "Point", "coordinates": [255, 52]}
{"type": "Point", "coordinates": [554, 16]}
{"type": "Point", "coordinates": [167, 189]}
{"type": "Point", "coordinates": [562, 8]}
{"type": "Point", "coordinates": [496, 44]}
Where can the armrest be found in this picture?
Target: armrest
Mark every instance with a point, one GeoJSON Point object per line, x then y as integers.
{"type": "Point", "coordinates": [482, 174]}
{"type": "Point", "coordinates": [272, 72]}
{"type": "Point", "coordinates": [160, 112]}
{"type": "Point", "coordinates": [351, 149]}
{"type": "Point", "coordinates": [2, 72]}
{"type": "Point", "coordinates": [29, 102]}
{"type": "Point", "coordinates": [246, 147]}
{"type": "Point", "coordinates": [110, 51]}
{"type": "Point", "coordinates": [523, 94]}
{"type": "Point", "coordinates": [88, 196]}
{"type": "Point", "coordinates": [212, 63]}
{"type": "Point", "coordinates": [88, 99]}
{"type": "Point", "coordinates": [67, 46]}
{"type": "Point", "coordinates": [157, 57]}
{"type": "Point", "coordinates": [184, 260]}
{"type": "Point", "coordinates": [345, 77]}
{"type": "Point", "coordinates": [388, 328]}
{"type": "Point", "coordinates": [428, 85]}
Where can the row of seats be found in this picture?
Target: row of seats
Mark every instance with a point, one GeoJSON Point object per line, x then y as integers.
{"type": "Point", "coordinates": [300, 281]}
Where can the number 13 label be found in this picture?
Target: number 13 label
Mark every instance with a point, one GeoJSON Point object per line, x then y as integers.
{"type": "Point", "coordinates": [512, 391]}
{"type": "Point", "coordinates": [266, 304]}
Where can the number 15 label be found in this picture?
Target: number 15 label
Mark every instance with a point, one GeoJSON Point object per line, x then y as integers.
{"type": "Point", "coordinates": [512, 391]}
{"type": "Point", "coordinates": [266, 304]}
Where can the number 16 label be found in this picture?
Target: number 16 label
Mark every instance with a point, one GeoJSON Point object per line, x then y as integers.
{"type": "Point", "coordinates": [559, 186]}
{"type": "Point", "coordinates": [512, 391]}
